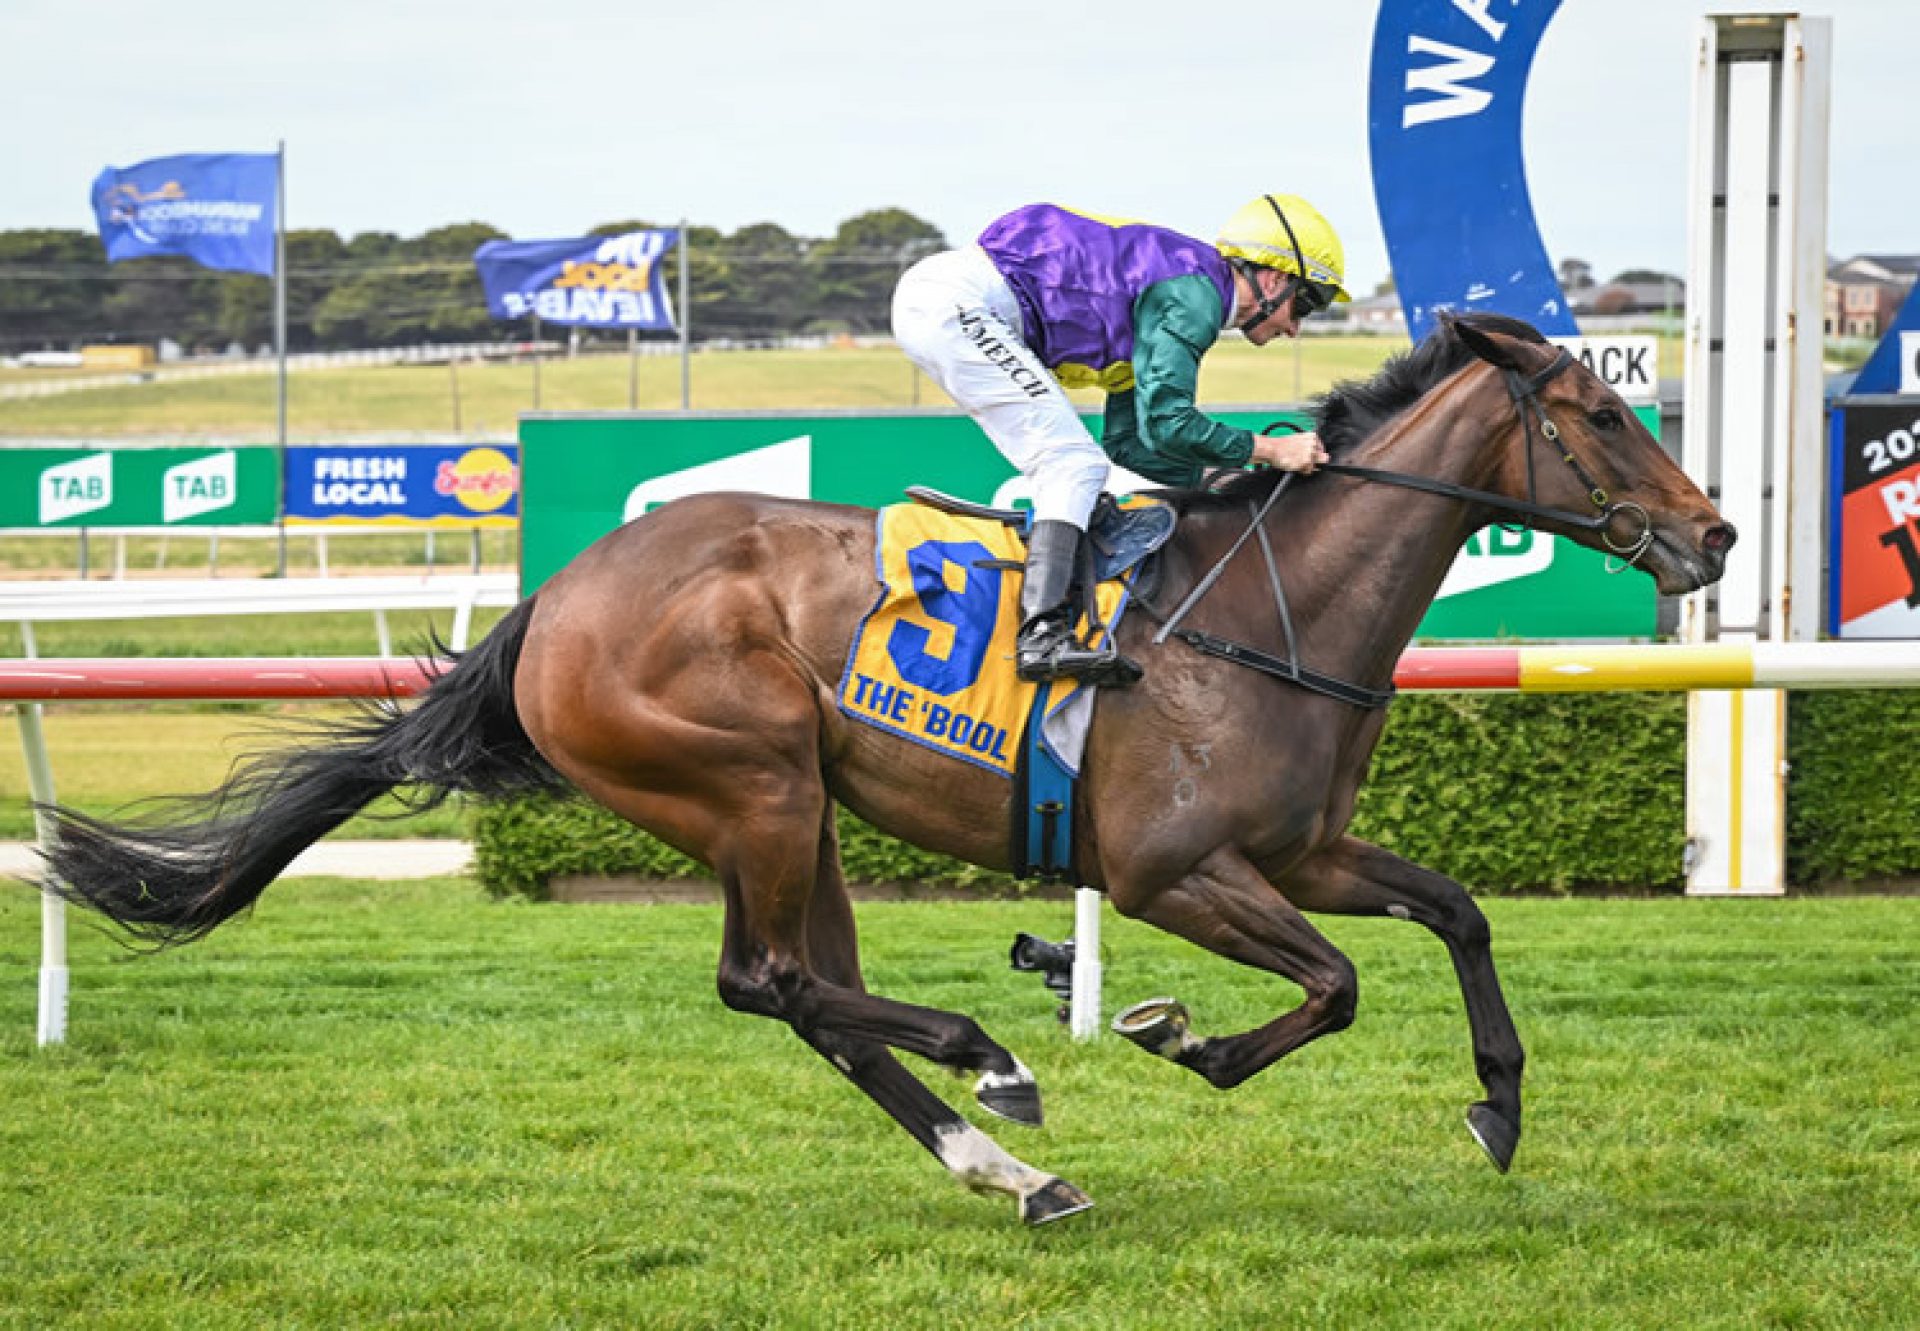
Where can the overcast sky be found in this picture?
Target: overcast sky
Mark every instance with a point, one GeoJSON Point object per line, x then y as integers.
{"type": "Point", "coordinates": [545, 119]}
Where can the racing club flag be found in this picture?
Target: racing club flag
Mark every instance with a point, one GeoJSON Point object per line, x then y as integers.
{"type": "Point", "coordinates": [217, 209]}
{"type": "Point", "coordinates": [592, 282]}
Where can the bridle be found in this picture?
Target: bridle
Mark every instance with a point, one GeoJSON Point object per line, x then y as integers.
{"type": "Point", "coordinates": [1524, 391]}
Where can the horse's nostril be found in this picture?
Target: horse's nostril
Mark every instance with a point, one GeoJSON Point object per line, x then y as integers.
{"type": "Point", "coordinates": [1718, 540]}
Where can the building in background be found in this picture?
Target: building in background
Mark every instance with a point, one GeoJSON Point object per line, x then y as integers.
{"type": "Point", "coordinates": [1866, 292]}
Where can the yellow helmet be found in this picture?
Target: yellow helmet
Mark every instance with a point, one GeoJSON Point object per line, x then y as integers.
{"type": "Point", "coordinates": [1284, 231]}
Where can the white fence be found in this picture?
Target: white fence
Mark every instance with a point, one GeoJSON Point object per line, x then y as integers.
{"type": "Point", "coordinates": [30, 603]}
{"type": "Point", "coordinates": [428, 354]}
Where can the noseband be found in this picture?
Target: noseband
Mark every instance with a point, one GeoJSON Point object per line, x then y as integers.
{"type": "Point", "coordinates": [1524, 391]}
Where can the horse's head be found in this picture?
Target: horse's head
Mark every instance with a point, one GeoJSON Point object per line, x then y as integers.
{"type": "Point", "coordinates": [1572, 444]}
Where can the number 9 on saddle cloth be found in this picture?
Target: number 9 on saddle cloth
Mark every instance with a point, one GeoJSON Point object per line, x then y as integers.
{"type": "Point", "coordinates": [932, 662]}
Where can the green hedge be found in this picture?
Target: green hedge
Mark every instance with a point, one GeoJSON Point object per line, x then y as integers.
{"type": "Point", "coordinates": [1853, 789]}
{"type": "Point", "coordinates": [518, 845]}
{"type": "Point", "coordinates": [1503, 792]}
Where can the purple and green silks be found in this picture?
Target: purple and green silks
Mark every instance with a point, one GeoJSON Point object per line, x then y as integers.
{"type": "Point", "coordinates": [1076, 278]}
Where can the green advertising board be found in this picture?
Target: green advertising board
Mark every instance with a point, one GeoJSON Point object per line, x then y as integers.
{"type": "Point", "coordinates": [139, 487]}
{"type": "Point", "coordinates": [584, 474]}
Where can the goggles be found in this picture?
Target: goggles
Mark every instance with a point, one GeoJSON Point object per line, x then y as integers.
{"type": "Point", "coordinates": [1310, 297]}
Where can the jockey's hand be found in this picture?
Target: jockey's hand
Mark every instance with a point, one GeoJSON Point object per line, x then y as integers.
{"type": "Point", "coordinates": [1289, 452]}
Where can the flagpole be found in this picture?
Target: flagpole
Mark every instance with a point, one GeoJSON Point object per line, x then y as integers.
{"type": "Point", "coordinates": [280, 320]}
{"type": "Point", "coordinates": [686, 323]}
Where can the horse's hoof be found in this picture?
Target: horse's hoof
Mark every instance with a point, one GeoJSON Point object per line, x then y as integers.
{"type": "Point", "coordinates": [1497, 1134]}
{"type": "Point", "coordinates": [1158, 1026]}
{"type": "Point", "coordinates": [1053, 1200]}
{"type": "Point", "coordinates": [1013, 1096]}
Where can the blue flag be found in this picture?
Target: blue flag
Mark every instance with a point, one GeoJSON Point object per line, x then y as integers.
{"type": "Point", "coordinates": [215, 208]}
{"type": "Point", "coordinates": [594, 281]}
{"type": "Point", "coordinates": [1448, 80]}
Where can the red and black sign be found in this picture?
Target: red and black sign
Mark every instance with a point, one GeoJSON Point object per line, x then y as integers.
{"type": "Point", "coordinates": [1876, 539]}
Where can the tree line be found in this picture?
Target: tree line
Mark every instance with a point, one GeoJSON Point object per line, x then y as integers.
{"type": "Point", "coordinates": [377, 289]}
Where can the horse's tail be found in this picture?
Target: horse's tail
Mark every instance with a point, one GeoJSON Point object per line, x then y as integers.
{"type": "Point", "coordinates": [210, 856]}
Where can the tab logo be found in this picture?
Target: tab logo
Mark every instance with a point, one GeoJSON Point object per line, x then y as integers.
{"type": "Point", "coordinates": [784, 469]}
{"type": "Point", "coordinates": [1629, 365]}
{"type": "Point", "coordinates": [203, 485]}
{"type": "Point", "coordinates": [1496, 555]}
{"type": "Point", "coordinates": [68, 489]}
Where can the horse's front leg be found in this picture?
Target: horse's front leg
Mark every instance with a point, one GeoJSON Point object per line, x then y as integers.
{"type": "Point", "coordinates": [1351, 877]}
{"type": "Point", "coordinates": [1226, 906]}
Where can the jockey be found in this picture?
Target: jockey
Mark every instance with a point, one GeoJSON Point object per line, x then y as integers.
{"type": "Point", "coordinates": [1049, 298]}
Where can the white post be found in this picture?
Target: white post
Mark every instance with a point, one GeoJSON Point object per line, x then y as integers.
{"type": "Point", "coordinates": [1084, 1007]}
{"type": "Point", "coordinates": [53, 911]}
{"type": "Point", "coordinates": [280, 319]}
{"type": "Point", "coordinates": [462, 621]}
{"type": "Point", "coordinates": [1752, 425]}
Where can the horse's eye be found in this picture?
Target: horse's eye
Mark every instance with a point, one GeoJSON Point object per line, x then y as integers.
{"type": "Point", "coordinates": [1605, 419]}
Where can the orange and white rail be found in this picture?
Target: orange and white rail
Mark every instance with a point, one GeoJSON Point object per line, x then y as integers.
{"type": "Point", "coordinates": [1662, 668]}
{"type": "Point", "coordinates": [1659, 668]}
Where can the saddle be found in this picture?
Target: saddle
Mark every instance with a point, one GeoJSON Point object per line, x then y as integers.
{"type": "Point", "coordinates": [1121, 538]}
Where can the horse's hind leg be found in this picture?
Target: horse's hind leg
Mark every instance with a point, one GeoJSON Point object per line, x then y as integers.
{"type": "Point", "coordinates": [788, 952]}
{"type": "Point", "coordinates": [1226, 906]}
{"type": "Point", "coordinates": [969, 1154]}
{"type": "Point", "coordinates": [767, 967]}
{"type": "Point", "coordinates": [1352, 877]}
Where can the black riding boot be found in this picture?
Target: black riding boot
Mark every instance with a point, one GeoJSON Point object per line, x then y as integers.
{"type": "Point", "coordinates": [1048, 648]}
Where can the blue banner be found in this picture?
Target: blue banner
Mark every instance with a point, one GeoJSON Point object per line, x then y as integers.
{"type": "Point", "coordinates": [406, 485]}
{"type": "Point", "coordinates": [217, 209]}
{"type": "Point", "coordinates": [1882, 372]}
{"type": "Point", "coordinates": [593, 282]}
{"type": "Point", "coordinates": [1448, 80]}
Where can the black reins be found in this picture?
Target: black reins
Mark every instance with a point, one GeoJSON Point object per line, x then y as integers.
{"type": "Point", "coordinates": [1524, 392]}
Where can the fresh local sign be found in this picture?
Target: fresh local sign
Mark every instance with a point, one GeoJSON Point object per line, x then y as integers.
{"type": "Point", "coordinates": [435, 485]}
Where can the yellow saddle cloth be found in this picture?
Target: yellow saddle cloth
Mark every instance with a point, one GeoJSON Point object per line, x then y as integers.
{"type": "Point", "coordinates": [933, 660]}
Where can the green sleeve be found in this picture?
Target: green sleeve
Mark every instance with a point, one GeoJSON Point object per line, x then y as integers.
{"type": "Point", "coordinates": [1172, 441]}
{"type": "Point", "coordinates": [1120, 437]}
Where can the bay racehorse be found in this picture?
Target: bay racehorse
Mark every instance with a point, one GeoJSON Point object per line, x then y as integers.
{"type": "Point", "coordinates": [683, 671]}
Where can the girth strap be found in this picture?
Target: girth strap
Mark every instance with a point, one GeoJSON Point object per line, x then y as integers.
{"type": "Point", "coordinates": [1291, 671]}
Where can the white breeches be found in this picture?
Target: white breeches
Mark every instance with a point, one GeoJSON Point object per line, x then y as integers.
{"type": "Point", "coordinates": [956, 318]}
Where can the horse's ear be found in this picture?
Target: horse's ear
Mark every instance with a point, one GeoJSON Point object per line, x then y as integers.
{"type": "Point", "coordinates": [1494, 348]}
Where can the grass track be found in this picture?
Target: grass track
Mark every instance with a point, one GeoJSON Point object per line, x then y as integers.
{"type": "Point", "coordinates": [403, 1105]}
{"type": "Point", "coordinates": [492, 396]}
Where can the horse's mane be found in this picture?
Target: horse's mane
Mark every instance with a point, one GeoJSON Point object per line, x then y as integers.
{"type": "Point", "coordinates": [1356, 409]}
